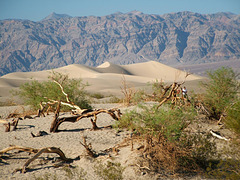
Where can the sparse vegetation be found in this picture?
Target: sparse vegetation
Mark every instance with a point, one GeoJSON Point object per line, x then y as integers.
{"type": "Point", "coordinates": [35, 92]}
{"type": "Point", "coordinates": [221, 91]}
{"type": "Point", "coordinates": [232, 119]}
{"type": "Point", "coordinates": [168, 147]}
{"type": "Point", "coordinates": [8, 102]}
{"type": "Point", "coordinates": [75, 173]}
{"type": "Point", "coordinates": [128, 92]}
{"type": "Point", "coordinates": [70, 173]}
{"type": "Point", "coordinates": [109, 171]}
{"type": "Point", "coordinates": [97, 95]}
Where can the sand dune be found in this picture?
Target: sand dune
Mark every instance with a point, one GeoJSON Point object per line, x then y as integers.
{"type": "Point", "coordinates": [105, 78]}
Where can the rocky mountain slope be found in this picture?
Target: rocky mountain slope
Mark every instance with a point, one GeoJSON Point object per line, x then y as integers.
{"type": "Point", "coordinates": [173, 39]}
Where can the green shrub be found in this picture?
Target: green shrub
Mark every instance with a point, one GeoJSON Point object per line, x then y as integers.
{"type": "Point", "coordinates": [114, 99]}
{"type": "Point", "coordinates": [169, 122]}
{"type": "Point", "coordinates": [97, 95]}
{"type": "Point", "coordinates": [224, 169]}
{"type": "Point", "coordinates": [109, 171]}
{"type": "Point", "coordinates": [232, 119]}
{"type": "Point", "coordinates": [158, 90]}
{"type": "Point", "coordinates": [202, 149]}
{"type": "Point", "coordinates": [168, 146]}
{"type": "Point", "coordinates": [221, 90]}
{"type": "Point", "coordinates": [139, 96]}
{"type": "Point", "coordinates": [35, 92]}
{"type": "Point", "coordinates": [76, 173]}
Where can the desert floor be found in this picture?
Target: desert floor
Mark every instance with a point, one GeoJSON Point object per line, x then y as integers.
{"type": "Point", "coordinates": [68, 140]}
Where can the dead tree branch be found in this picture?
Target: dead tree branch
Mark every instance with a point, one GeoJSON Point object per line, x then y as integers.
{"type": "Point", "coordinates": [37, 152]}
{"type": "Point", "coordinates": [170, 91]}
{"type": "Point", "coordinates": [88, 148]}
{"type": "Point", "coordinates": [127, 91]}
{"type": "Point", "coordinates": [114, 113]}
{"type": "Point", "coordinates": [8, 124]}
{"type": "Point", "coordinates": [217, 135]}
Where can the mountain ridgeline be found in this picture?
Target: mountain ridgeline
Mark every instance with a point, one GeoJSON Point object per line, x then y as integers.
{"type": "Point", "coordinates": [121, 38]}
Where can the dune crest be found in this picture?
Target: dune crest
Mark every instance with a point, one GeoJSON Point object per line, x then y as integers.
{"type": "Point", "coordinates": [104, 78]}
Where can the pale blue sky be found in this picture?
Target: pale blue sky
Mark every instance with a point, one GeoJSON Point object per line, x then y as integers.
{"type": "Point", "coordinates": [38, 9]}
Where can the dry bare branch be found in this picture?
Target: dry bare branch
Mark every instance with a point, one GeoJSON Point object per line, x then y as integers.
{"type": "Point", "coordinates": [38, 153]}
{"type": "Point", "coordinates": [45, 150]}
{"type": "Point", "coordinates": [8, 124]}
{"type": "Point", "coordinates": [67, 97]}
{"type": "Point", "coordinates": [215, 134]}
{"type": "Point", "coordinates": [114, 113]}
{"type": "Point", "coordinates": [127, 91]}
{"type": "Point", "coordinates": [88, 148]}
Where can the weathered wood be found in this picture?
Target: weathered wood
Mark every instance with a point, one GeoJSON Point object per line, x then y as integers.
{"type": "Point", "coordinates": [21, 148]}
{"type": "Point", "coordinates": [215, 134]}
{"type": "Point", "coordinates": [114, 113]}
{"type": "Point", "coordinates": [8, 124]}
{"type": "Point", "coordinates": [45, 150]}
{"type": "Point", "coordinates": [8, 127]}
{"type": "Point", "coordinates": [94, 123]}
{"type": "Point", "coordinates": [171, 90]}
{"type": "Point", "coordinates": [15, 123]}
{"type": "Point", "coordinates": [37, 152]}
{"type": "Point", "coordinates": [88, 147]}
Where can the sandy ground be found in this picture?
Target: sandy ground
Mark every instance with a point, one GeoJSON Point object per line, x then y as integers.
{"type": "Point", "coordinates": [68, 140]}
{"type": "Point", "coordinates": [105, 79]}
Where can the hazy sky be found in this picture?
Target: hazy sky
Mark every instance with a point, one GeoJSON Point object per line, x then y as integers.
{"type": "Point", "coordinates": [38, 9]}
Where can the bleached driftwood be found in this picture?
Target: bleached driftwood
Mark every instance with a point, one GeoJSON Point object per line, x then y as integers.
{"type": "Point", "coordinates": [218, 135]}
{"type": "Point", "coordinates": [37, 152]}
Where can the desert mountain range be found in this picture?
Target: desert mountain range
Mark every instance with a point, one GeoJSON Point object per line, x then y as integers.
{"type": "Point", "coordinates": [105, 79]}
{"type": "Point", "coordinates": [121, 38]}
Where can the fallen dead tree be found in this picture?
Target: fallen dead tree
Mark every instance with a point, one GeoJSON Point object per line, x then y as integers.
{"type": "Point", "coordinates": [114, 113]}
{"type": "Point", "coordinates": [77, 112]}
{"type": "Point", "coordinates": [37, 153]}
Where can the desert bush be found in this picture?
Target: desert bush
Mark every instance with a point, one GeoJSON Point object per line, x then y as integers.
{"type": "Point", "coordinates": [114, 99]}
{"type": "Point", "coordinates": [232, 119]}
{"type": "Point", "coordinates": [228, 167]}
{"type": "Point", "coordinates": [139, 96]}
{"type": "Point", "coordinates": [70, 173]}
{"type": "Point", "coordinates": [224, 169]}
{"type": "Point", "coordinates": [202, 148]}
{"type": "Point", "coordinates": [97, 95]}
{"type": "Point", "coordinates": [169, 122]}
{"type": "Point", "coordinates": [75, 173]}
{"type": "Point", "coordinates": [221, 90]}
{"type": "Point", "coordinates": [35, 92]}
{"type": "Point", "coordinates": [168, 146]}
{"type": "Point", "coordinates": [128, 92]}
{"type": "Point", "coordinates": [109, 171]}
{"type": "Point", "coordinates": [157, 88]}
